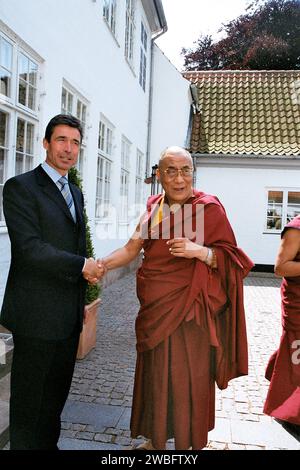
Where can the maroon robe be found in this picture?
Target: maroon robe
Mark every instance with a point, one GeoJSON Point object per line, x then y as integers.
{"type": "Point", "coordinates": [190, 332]}
{"type": "Point", "coordinates": [283, 369]}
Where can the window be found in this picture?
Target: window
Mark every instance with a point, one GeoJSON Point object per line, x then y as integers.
{"type": "Point", "coordinates": [124, 183]}
{"type": "Point", "coordinates": [139, 180]}
{"type": "Point", "coordinates": [27, 82]}
{"type": "Point", "coordinates": [3, 154]}
{"type": "Point", "coordinates": [109, 13]}
{"type": "Point", "coordinates": [143, 57]}
{"type": "Point", "coordinates": [283, 206]}
{"type": "Point", "coordinates": [73, 103]}
{"type": "Point", "coordinates": [6, 55]}
{"type": "Point", "coordinates": [104, 168]}
{"type": "Point", "coordinates": [103, 187]}
{"type": "Point", "coordinates": [105, 138]}
{"type": "Point", "coordinates": [24, 146]}
{"type": "Point", "coordinates": [66, 102]}
{"type": "Point", "coordinates": [129, 30]}
{"type": "Point", "coordinates": [19, 71]}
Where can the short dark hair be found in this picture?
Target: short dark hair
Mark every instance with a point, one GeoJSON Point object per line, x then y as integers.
{"type": "Point", "coordinates": [62, 120]}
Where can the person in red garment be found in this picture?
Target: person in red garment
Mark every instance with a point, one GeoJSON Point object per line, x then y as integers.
{"type": "Point", "coordinates": [283, 370]}
{"type": "Point", "coordinates": [190, 328]}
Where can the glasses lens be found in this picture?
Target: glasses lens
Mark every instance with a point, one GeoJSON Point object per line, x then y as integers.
{"type": "Point", "coordinates": [171, 172]}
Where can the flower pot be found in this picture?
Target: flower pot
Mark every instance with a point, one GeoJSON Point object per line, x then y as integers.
{"type": "Point", "coordinates": [87, 340]}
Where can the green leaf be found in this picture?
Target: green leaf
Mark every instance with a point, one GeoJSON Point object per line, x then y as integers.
{"type": "Point", "coordinates": [92, 291]}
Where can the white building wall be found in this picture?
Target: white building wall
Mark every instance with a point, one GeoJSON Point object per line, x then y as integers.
{"type": "Point", "coordinates": [171, 106]}
{"type": "Point", "coordinates": [243, 192]}
{"type": "Point", "coordinates": [75, 45]}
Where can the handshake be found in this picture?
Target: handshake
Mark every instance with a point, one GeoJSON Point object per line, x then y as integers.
{"type": "Point", "coordinates": [94, 270]}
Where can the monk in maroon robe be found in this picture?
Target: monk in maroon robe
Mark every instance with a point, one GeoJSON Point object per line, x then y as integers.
{"type": "Point", "coordinates": [190, 329]}
{"type": "Point", "coordinates": [283, 370]}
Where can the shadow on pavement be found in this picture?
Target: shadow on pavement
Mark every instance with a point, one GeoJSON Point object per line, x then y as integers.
{"type": "Point", "coordinates": [293, 429]}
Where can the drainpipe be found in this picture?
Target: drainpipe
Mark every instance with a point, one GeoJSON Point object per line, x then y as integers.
{"type": "Point", "coordinates": [150, 106]}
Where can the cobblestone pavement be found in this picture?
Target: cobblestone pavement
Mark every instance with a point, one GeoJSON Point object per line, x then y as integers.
{"type": "Point", "coordinates": [97, 413]}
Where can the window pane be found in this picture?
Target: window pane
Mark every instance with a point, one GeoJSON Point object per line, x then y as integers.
{"type": "Point", "coordinates": [5, 81]}
{"type": "Point", "coordinates": [31, 97]}
{"type": "Point", "coordinates": [32, 73]}
{"type": "Point", "coordinates": [20, 135]}
{"type": "Point", "coordinates": [78, 112]}
{"type": "Point", "coordinates": [22, 93]}
{"type": "Point", "coordinates": [3, 124]}
{"type": "Point", "coordinates": [19, 164]}
{"type": "Point", "coordinates": [70, 103]}
{"type": "Point", "coordinates": [2, 153]}
{"type": "Point", "coordinates": [29, 139]}
{"type": "Point", "coordinates": [274, 214]}
{"type": "Point", "coordinates": [106, 9]}
{"type": "Point", "coordinates": [6, 54]}
{"type": "Point", "coordinates": [64, 101]}
{"type": "Point", "coordinates": [275, 197]}
{"type": "Point", "coordinates": [274, 223]}
{"type": "Point", "coordinates": [28, 163]}
{"type": "Point", "coordinates": [1, 205]}
{"type": "Point", "coordinates": [23, 67]}
{"type": "Point", "coordinates": [83, 114]}
{"type": "Point", "coordinates": [293, 208]}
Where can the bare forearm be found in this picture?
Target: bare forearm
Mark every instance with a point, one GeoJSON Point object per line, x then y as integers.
{"type": "Point", "coordinates": [288, 269]}
{"type": "Point", "coordinates": [121, 257]}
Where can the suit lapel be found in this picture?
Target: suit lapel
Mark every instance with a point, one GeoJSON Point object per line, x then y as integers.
{"type": "Point", "coordinates": [78, 202]}
{"type": "Point", "coordinates": [50, 188]}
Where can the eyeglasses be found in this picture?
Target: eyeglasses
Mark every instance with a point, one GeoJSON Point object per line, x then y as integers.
{"type": "Point", "coordinates": [185, 172]}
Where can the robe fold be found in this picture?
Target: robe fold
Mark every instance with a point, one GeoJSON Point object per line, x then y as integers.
{"type": "Point", "coordinates": [190, 329]}
{"type": "Point", "coordinates": [283, 369]}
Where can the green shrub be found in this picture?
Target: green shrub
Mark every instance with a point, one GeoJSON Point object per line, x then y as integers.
{"type": "Point", "coordinates": [92, 291]}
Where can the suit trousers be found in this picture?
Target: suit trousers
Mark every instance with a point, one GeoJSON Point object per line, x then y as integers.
{"type": "Point", "coordinates": [41, 377]}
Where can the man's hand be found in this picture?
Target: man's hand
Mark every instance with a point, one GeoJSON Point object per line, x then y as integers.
{"type": "Point", "coordinates": [185, 248]}
{"type": "Point", "coordinates": [101, 262]}
{"type": "Point", "coordinates": [93, 270]}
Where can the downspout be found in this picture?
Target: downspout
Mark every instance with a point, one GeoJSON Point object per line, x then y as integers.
{"type": "Point", "coordinates": [150, 106]}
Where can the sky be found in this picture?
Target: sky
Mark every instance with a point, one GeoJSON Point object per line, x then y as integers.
{"type": "Point", "coordinates": [188, 19]}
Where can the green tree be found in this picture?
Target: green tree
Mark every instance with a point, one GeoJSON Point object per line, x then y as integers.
{"type": "Point", "coordinates": [266, 37]}
{"type": "Point", "coordinates": [92, 291]}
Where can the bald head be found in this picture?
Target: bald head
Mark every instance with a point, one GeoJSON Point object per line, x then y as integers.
{"type": "Point", "coordinates": [175, 151]}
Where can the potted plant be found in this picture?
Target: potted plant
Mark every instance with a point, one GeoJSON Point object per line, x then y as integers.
{"type": "Point", "coordinates": [87, 339]}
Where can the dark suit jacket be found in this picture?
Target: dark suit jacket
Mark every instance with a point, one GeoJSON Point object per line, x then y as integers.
{"type": "Point", "coordinates": [45, 290]}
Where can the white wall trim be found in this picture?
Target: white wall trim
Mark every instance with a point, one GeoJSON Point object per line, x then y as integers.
{"type": "Point", "coordinates": [247, 161]}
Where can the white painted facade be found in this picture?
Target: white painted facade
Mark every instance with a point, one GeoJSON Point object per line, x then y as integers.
{"type": "Point", "coordinates": [242, 185]}
{"type": "Point", "coordinates": [75, 51]}
{"type": "Point", "coordinates": [174, 93]}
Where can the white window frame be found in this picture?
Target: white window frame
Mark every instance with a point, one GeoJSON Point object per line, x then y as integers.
{"type": "Point", "coordinates": [24, 153]}
{"type": "Point", "coordinates": [140, 164]}
{"type": "Point", "coordinates": [4, 69]}
{"type": "Point", "coordinates": [124, 179]}
{"type": "Point", "coordinates": [110, 14]}
{"type": "Point", "coordinates": [103, 188]}
{"type": "Point", "coordinates": [143, 57]}
{"type": "Point", "coordinates": [105, 161]}
{"type": "Point", "coordinates": [284, 215]}
{"type": "Point", "coordinates": [75, 104]}
{"type": "Point", "coordinates": [26, 82]}
{"type": "Point", "coordinates": [14, 110]}
{"type": "Point", "coordinates": [3, 166]}
{"type": "Point", "coordinates": [130, 31]}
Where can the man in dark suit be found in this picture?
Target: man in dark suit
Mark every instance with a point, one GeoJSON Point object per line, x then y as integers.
{"type": "Point", "coordinates": [44, 297]}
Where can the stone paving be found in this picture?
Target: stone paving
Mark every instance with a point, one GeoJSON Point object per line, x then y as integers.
{"type": "Point", "coordinates": [97, 412]}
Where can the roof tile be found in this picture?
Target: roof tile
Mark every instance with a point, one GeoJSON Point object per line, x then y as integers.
{"type": "Point", "coordinates": [247, 112]}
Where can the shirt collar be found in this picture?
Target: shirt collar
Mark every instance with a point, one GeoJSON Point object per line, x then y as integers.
{"type": "Point", "coordinates": [51, 172]}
